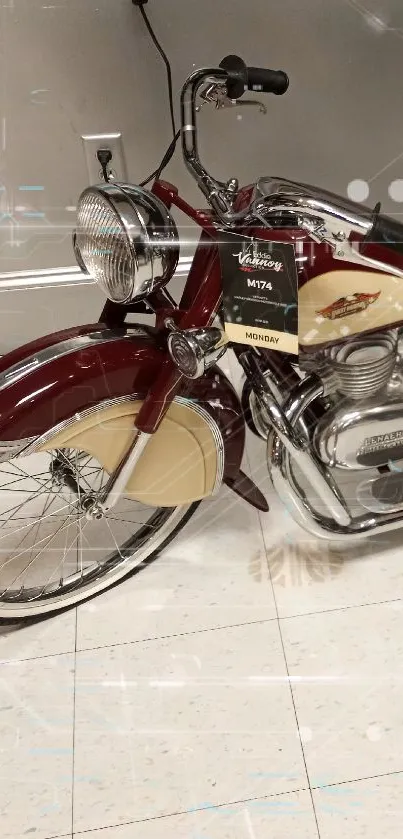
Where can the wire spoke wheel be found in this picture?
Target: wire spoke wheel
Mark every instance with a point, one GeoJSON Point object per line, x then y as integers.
{"type": "Point", "coordinates": [51, 555]}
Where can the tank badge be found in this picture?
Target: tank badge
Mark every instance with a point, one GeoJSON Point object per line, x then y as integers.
{"type": "Point", "coordinates": [348, 305]}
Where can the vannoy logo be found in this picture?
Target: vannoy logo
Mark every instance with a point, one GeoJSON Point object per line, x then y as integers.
{"type": "Point", "coordinates": [251, 259]}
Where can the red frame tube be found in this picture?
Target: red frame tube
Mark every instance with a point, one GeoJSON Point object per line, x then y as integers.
{"type": "Point", "coordinates": [198, 306]}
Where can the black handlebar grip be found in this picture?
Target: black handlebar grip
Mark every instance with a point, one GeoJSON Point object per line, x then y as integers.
{"type": "Point", "coordinates": [237, 75]}
{"type": "Point", "coordinates": [267, 81]}
{"type": "Point", "coordinates": [387, 232]}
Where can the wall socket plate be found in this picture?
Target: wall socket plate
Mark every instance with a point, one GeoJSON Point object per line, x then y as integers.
{"type": "Point", "coordinates": [117, 167]}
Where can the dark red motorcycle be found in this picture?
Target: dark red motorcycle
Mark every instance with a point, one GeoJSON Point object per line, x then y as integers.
{"type": "Point", "coordinates": [112, 433]}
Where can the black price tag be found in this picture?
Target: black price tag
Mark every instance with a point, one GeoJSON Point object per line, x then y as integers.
{"type": "Point", "coordinates": [260, 292]}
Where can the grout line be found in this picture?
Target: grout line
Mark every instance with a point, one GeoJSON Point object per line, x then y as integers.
{"type": "Point", "coordinates": [6, 661]}
{"type": "Point", "coordinates": [74, 724]}
{"type": "Point", "coordinates": [368, 693]}
{"type": "Point", "coordinates": [193, 810]}
{"type": "Point", "coordinates": [206, 629]}
{"type": "Point", "coordinates": [137, 641]}
{"type": "Point", "coordinates": [339, 608]}
{"type": "Point", "coordinates": [357, 780]}
{"type": "Point", "coordinates": [290, 686]}
{"type": "Point", "coordinates": [61, 836]}
{"type": "Point", "coordinates": [178, 634]}
{"type": "Point", "coordinates": [227, 804]}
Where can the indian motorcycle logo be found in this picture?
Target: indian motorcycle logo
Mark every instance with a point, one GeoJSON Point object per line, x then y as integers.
{"type": "Point", "coordinates": [251, 259]}
{"type": "Point", "coordinates": [348, 305]}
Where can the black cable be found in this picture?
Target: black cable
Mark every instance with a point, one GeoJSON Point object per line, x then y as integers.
{"type": "Point", "coordinates": [165, 160]}
{"type": "Point", "coordinates": [104, 156]}
{"type": "Point", "coordinates": [166, 62]}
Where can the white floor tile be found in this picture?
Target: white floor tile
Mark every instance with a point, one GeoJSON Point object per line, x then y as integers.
{"type": "Point", "coordinates": [347, 674]}
{"type": "Point", "coordinates": [183, 723]}
{"type": "Point", "coordinates": [311, 575]}
{"type": "Point", "coordinates": [280, 816]}
{"type": "Point", "coordinates": [47, 637]}
{"type": "Point", "coordinates": [214, 574]}
{"type": "Point", "coordinates": [36, 754]}
{"type": "Point", "coordinates": [362, 810]}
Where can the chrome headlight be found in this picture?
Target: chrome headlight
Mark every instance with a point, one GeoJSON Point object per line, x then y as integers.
{"type": "Point", "coordinates": [126, 239]}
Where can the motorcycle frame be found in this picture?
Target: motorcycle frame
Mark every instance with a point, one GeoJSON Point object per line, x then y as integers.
{"type": "Point", "coordinates": [198, 307]}
{"type": "Point", "coordinates": [118, 368]}
{"type": "Point", "coordinates": [112, 368]}
{"type": "Point", "coordinates": [200, 304]}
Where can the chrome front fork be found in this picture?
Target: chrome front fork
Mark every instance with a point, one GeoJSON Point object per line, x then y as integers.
{"type": "Point", "coordinates": [193, 351]}
{"type": "Point", "coordinates": [118, 481]}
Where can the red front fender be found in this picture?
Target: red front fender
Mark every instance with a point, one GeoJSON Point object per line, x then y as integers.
{"type": "Point", "coordinates": [48, 381]}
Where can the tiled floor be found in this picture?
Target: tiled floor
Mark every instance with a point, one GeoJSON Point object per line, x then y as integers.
{"type": "Point", "coordinates": [247, 685]}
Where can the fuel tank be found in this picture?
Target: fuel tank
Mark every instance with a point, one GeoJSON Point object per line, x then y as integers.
{"type": "Point", "coordinates": [337, 299]}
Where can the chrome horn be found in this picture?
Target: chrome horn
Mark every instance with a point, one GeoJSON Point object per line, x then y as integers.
{"type": "Point", "coordinates": [194, 351]}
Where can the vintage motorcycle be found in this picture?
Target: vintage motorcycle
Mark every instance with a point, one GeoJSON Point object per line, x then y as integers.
{"type": "Point", "coordinates": [112, 433]}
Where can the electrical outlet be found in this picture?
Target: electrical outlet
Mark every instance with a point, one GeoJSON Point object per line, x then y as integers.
{"type": "Point", "coordinates": [116, 168]}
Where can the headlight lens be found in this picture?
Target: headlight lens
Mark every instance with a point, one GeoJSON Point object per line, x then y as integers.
{"type": "Point", "coordinates": [126, 239]}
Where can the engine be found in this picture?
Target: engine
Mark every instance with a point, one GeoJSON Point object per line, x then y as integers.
{"type": "Point", "coordinates": [360, 368]}
{"type": "Point", "coordinates": [362, 429]}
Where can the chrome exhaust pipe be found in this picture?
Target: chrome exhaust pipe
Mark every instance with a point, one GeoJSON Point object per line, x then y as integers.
{"type": "Point", "coordinates": [279, 459]}
{"type": "Point", "coordinates": [294, 442]}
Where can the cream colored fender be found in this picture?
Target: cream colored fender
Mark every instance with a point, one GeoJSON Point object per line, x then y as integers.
{"type": "Point", "coordinates": [182, 462]}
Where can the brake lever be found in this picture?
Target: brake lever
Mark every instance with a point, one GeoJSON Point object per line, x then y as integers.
{"type": "Point", "coordinates": [235, 103]}
{"type": "Point", "coordinates": [218, 94]}
{"type": "Point", "coordinates": [213, 93]}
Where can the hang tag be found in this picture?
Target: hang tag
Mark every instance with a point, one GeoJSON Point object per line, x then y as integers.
{"type": "Point", "coordinates": [260, 292]}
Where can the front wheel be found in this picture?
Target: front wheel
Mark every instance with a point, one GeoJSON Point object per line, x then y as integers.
{"type": "Point", "coordinates": [51, 555]}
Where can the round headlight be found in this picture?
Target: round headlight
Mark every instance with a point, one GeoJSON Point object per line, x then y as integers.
{"type": "Point", "coordinates": [126, 239]}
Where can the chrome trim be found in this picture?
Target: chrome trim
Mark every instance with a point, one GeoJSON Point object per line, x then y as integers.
{"type": "Point", "coordinates": [315, 471]}
{"type": "Point", "coordinates": [39, 442]}
{"type": "Point", "coordinates": [349, 431]}
{"type": "Point", "coordinates": [259, 416]}
{"type": "Point", "coordinates": [327, 218]}
{"type": "Point", "coordinates": [217, 436]}
{"type": "Point", "coordinates": [14, 448]}
{"type": "Point", "coordinates": [210, 187]}
{"type": "Point", "coordinates": [275, 195]}
{"type": "Point", "coordinates": [280, 469]}
{"type": "Point", "coordinates": [147, 234]}
{"type": "Point", "coordinates": [367, 500]}
{"type": "Point", "coordinates": [203, 346]}
{"type": "Point", "coordinates": [361, 367]}
{"type": "Point", "coordinates": [118, 481]}
{"type": "Point", "coordinates": [81, 342]}
{"type": "Point", "coordinates": [293, 438]}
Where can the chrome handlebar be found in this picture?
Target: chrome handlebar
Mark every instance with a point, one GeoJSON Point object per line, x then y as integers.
{"type": "Point", "coordinates": [219, 195]}
{"type": "Point", "coordinates": [324, 220]}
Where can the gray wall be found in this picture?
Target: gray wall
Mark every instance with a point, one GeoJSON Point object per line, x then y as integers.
{"type": "Point", "coordinates": [94, 68]}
